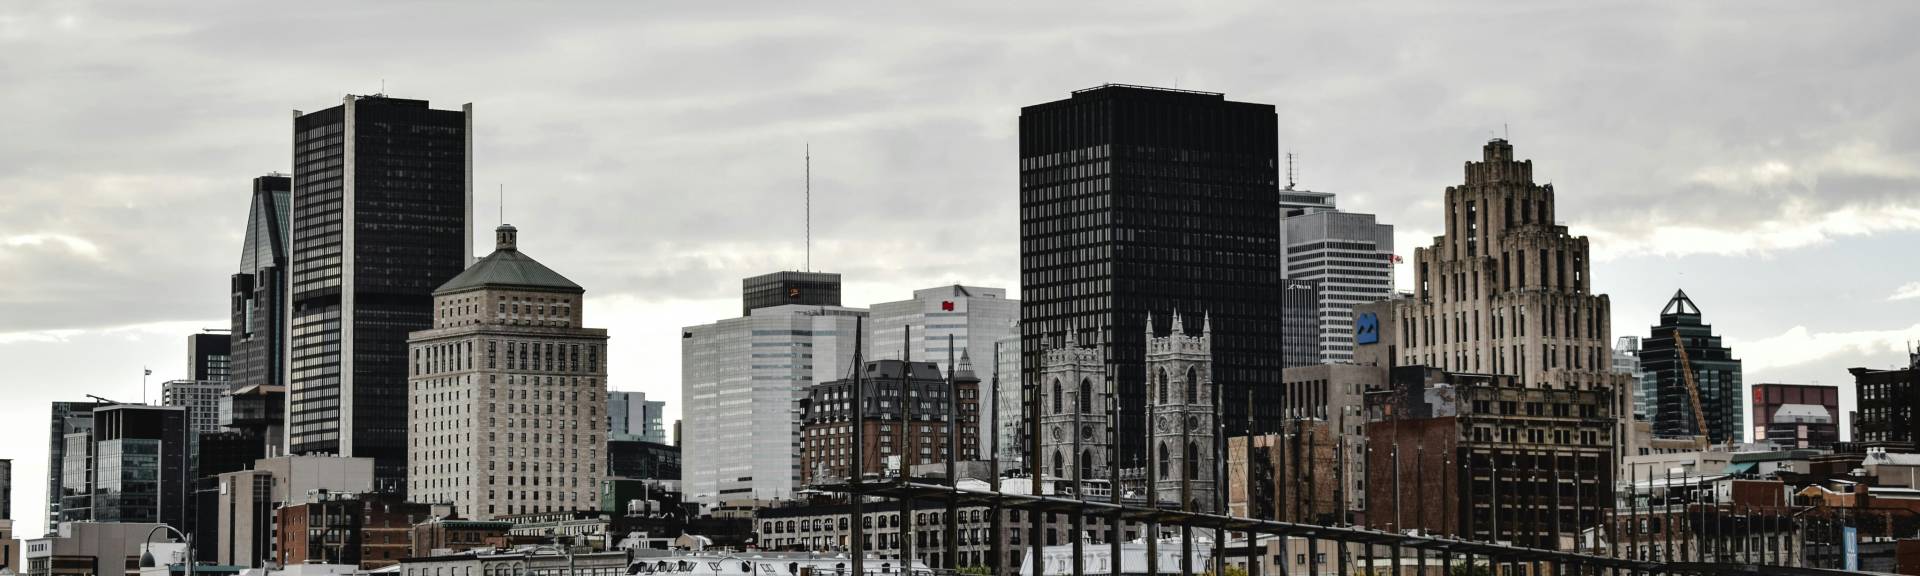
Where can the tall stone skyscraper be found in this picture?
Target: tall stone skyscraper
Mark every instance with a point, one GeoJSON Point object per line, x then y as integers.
{"type": "Point", "coordinates": [1505, 290]}
{"type": "Point", "coordinates": [1135, 199]}
{"type": "Point", "coordinates": [507, 392]}
{"type": "Point", "coordinates": [381, 206]}
{"type": "Point", "coordinates": [259, 290]}
{"type": "Point", "coordinates": [1716, 372]}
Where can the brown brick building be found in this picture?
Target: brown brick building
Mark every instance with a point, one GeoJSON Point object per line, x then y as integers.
{"type": "Point", "coordinates": [1296, 475]}
{"type": "Point", "coordinates": [892, 391]}
{"type": "Point", "coordinates": [1487, 458]}
{"type": "Point", "coordinates": [369, 530]}
{"type": "Point", "coordinates": [439, 536]}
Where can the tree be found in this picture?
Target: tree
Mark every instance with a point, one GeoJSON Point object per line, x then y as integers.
{"type": "Point", "coordinates": [1231, 570]}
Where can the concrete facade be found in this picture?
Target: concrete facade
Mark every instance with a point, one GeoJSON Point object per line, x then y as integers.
{"type": "Point", "coordinates": [1336, 394]}
{"type": "Point", "coordinates": [975, 317]}
{"type": "Point", "coordinates": [1347, 258]}
{"type": "Point", "coordinates": [741, 379]}
{"type": "Point", "coordinates": [88, 549]}
{"type": "Point", "coordinates": [631, 416]}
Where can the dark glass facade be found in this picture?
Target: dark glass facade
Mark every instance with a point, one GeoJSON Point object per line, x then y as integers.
{"type": "Point", "coordinates": [259, 290]}
{"type": "Point", "coordinates": [639, 459]}
{"type": "Point", "coordinates": [65, 418]}
{"type": "Point", "coordinates": [1715, 370]}
{"type": "Point", "coordinates": [141, 465]}
{"type": "Point", "coordinates": [210, 357]}
{"type": "Point", "coordinates": [781, 288]}
{"type": "Point", "coordinates": [380, 217]}
{"type": "Point", "coordinates": [1300, 302]}
{"type": "Point", "coordinates": [1137, 201]}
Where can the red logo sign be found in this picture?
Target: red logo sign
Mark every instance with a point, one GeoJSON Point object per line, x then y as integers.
{"type": "Point", "coordinates": [946, 305]}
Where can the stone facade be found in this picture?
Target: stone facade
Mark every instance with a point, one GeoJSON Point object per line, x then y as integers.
{"type": "Point", "coordinates": [506, 392]}
{"type": "Point", "coordinates": [1074, 416]}
{"type": "Point", "coordinates": [1181, 408]}
{"type": "Point", "coordinates": [826, 454]}
{"type": "Point", "coordinates": [1506, 289]}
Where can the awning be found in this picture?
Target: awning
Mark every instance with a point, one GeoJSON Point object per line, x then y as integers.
{"type": "Point", "coordinates": [1741, 467]}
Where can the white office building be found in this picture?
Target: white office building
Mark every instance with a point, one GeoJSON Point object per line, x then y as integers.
{"type": "Point", "coordinates": [631, 416]}
{"type": "Point", "coordinates": [202, 399]}
{"type": "Point", "coordinates": [1350, 257]}
{"type": "Point", "coordinates": [741, 381]}
{"type": "Point", "coordinates": [973, 316]}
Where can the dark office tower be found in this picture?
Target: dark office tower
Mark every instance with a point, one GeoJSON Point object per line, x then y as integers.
{"type": "Point", "coordinates": [259, 289]}
{"type": "Point", "coordinates": [6, 489]}
{"type": "Point", "coordinates": [1137, 200]}
{"type": "Point", "coordinates": [209, 357]}
{"type": "Point", "coordinates": [382, 193]}
{"type": "Point", "coordinates": [781, 288]}
{"type": "Point", "coordinates": [1300, 303]}
{"type": "Point", "coordinates": [1715, 370]}
{"type": "Point", "coordinates": [66, 418]}
{"type": "Point", "coordinates": [140, 465]}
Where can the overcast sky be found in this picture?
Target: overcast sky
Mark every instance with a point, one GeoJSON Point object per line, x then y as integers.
{"type": "Point", "coordinates": [1762, 156]}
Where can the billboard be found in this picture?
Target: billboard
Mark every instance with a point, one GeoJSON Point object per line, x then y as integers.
{"type": "Point", "coordinates": [1366, 328]}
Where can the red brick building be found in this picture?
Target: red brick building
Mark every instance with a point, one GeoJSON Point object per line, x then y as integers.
{"type": "Point", "coordinates": [892, 392]}
{"type": "Point", "coordinates": [368, 530]}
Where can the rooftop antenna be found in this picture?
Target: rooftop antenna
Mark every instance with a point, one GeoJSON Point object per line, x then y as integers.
{"type": "Point", "coordinates": [503, 204]}
{"type": "Point", "coordinates": [1505, 131]}
{"type": "Point", "coordinates": [1290, 171]}
{"type": "Point", "coordinates": [809, 213]}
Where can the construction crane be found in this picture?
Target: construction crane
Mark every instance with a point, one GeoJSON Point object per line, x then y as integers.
{"type": "Point", "coordinates": [1693, 391]}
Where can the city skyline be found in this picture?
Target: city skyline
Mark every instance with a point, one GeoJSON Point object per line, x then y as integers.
{"type": "Point", "coordinates": [103, 278]}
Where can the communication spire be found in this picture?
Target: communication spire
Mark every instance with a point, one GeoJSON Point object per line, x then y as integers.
{"type": "Point", "coordinates": [809, 212]}
{"type": "Point", "coordinates": [1290, 171]}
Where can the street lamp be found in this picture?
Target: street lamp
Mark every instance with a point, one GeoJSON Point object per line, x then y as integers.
{"type": "Point", "coordinates": [146, 556]}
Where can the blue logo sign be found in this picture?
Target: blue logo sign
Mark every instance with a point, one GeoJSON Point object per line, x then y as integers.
{"type": "Point", "coordinates": [1366, 329]}
{"type": "Point", "coordinates": [1850, 546]}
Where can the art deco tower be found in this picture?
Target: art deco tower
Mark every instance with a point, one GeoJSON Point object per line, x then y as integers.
{"type": "Point", "coordinates": [1506, 289]}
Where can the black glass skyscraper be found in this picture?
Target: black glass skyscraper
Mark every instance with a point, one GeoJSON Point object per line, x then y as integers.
{"type": "Point", "coordinates": [1137, 200]}
{"type": "Point", "coordinates": [1716, 372]}
{"type": "Point", "coordinates": [382, 192]}
{"type": "Point", "coordinates": [259, 289]}
{"type": "Point", "coordinates": [209, 357]}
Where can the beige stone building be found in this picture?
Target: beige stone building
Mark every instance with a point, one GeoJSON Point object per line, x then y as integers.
{"type": "Point", "coordinates": [506, 393]}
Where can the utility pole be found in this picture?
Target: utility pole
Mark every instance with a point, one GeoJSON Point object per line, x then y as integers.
{"type": "Point", "coordinates": [859, 448]}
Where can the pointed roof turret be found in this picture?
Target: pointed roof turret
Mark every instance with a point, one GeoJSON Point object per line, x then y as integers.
{"type": "Point", "coordinates": [964, 369]}
{"type": "Point", "coordinates": [1680, 304]}
{"type": "Point", "coordinates": [1073, 335]}
{"type": "Point", "coordinates": [1177, 328]}
{"type": "Point", "coordinates": [1206, 323]}
{"type": "Point", "coordinates": [1149, 324]}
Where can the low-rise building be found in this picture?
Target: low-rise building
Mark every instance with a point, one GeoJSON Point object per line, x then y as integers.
{"type": "Point", "coordinates": [442, 536]}
{"type": "Point", "coordinates": [370, 530]}
{"type": "Point", "coordinates": [905, 407]}
{"type": "Point", "coordinates": [88, 549]}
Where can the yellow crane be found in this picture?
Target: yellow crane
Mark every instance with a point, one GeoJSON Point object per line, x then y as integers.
{"type": "Point", "coordinates": [1693, 391]}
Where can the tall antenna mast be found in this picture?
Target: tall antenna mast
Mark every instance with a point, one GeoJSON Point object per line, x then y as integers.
{"type": "Point", "coordinates": [503, 204]}
{"type": "Point", "coordinates": [809, 265]}
{"type": "Point", "coordinates": [1290, 172]}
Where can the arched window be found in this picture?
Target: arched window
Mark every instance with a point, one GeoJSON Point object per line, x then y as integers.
{"type": "Point", "coordinates": [1056, 396]}
{"type": "Point", "coordinates": [1086, 463]}
{"type": "Point", "coordinates": [1193, 462]}
{"type": "Point", "coordinates": [1193, 386]}
{"type": "Point", "coordinates": [1059, 464]}
{"type": "Point", "coordinates": [1165, 463]}
{"type": "Point", "coordinates": [1163, 385]}
{"type": "Point", "coordinates": [1084, 401]}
